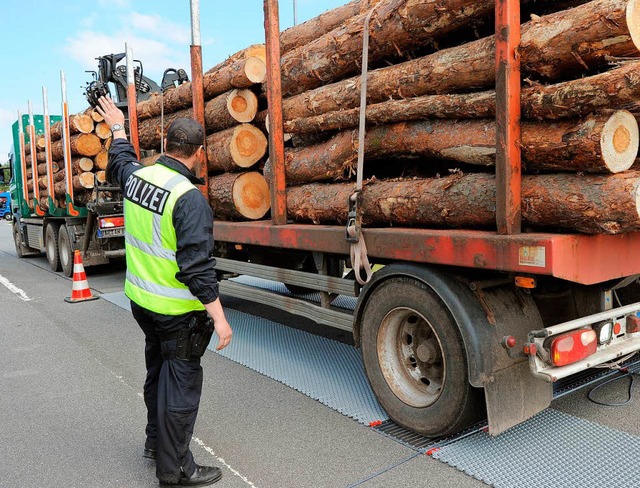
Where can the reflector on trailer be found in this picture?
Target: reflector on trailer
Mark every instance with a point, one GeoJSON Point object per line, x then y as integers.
{"type": "Point", "coordinates": [573, 346]}
{"type": "Point", "coordinates": [110, 222]}
{"type": "Point", "coordinates": [633, 324]}
{"type": "Point", "coordinates": [525, 282]}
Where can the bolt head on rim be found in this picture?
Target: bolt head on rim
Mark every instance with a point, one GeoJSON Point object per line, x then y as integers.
{"type": "Point", "coordinates": [410, 357]}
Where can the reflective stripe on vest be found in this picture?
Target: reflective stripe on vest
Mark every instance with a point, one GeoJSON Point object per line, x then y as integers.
{"type": "Point", "coordinates": [150, 239]}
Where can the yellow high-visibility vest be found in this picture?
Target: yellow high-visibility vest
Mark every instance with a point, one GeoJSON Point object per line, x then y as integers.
{"type": "Point", "coordinates": [150, 195]}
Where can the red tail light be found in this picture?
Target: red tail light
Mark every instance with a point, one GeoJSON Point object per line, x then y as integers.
{"type": "Point", "coordinates": [110, 222]}
{"type": "Point", "coordinates": [573, 346]}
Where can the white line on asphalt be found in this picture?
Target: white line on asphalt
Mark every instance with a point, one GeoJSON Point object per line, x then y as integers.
{"type": "Point", "coordinates": [222, 461]}
{"type": "Point", "coordinates": [198, 441]}
{"type": "Point", "coordinates": [14, 289]}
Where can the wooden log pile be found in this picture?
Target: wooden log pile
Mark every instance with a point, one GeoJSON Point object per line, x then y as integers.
{"type": "Point", "coordinates": [89, 142]}
{"type": "Point", "coordinates": [430, 142]}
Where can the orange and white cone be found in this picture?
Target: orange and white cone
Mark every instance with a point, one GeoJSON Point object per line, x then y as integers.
{"type": "Point", "coordinates": [80, 291]}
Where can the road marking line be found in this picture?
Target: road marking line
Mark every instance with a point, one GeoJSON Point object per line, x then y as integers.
{"type": "Point", "coordinates": [222, 461]}
{"type": "Point", "coordinates": [195, 439]}
{"type": "Point", "coordinates": [14, 289]}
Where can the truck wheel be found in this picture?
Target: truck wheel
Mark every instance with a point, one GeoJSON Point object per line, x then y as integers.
{"type": "Point", "coordinates": [51, 246]}
{"type": "Point", "coordinates": [21, 250]}
{"type": "Point", "coordinates": [415, 359]}
{"type": "Point", "coordinates": [65, 251]}
{"type": "Point", "coordinates": [8, 216]}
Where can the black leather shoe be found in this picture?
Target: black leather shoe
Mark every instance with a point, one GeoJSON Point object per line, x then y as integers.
{"type": "Point", "coordinates": [149, 453]}
{"type": "Point", "coordinates": [203, 475]}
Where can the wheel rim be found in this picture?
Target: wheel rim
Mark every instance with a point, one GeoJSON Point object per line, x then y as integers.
{"type": "Point", "coordinates": [410, 356]}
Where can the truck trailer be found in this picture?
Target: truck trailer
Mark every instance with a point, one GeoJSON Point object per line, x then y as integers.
{"type": "Point", "coordinates": [454, 324]}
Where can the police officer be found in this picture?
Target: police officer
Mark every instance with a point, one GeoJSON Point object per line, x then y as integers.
{"type": "Point", "coordinates": [172, 285]}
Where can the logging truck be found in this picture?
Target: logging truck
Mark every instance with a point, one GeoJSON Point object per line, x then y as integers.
{"type": "Point", "coordinates": [502, 221]}
{"type": "Point", "coordinates": [58, 216]}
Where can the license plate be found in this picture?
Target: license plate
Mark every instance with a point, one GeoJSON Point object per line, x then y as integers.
{"type": "Point", "coordinates": [118, 232]}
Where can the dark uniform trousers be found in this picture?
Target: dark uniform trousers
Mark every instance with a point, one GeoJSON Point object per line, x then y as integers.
{"type": "Point", "coordinates": [172, 392]}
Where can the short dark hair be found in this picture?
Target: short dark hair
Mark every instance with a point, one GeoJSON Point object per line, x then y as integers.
{"type": "Point", "coordinates": [184, 137]}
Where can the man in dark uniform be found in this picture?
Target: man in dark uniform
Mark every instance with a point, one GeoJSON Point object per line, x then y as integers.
{"type": "Point", "coordinates": [172, 285]}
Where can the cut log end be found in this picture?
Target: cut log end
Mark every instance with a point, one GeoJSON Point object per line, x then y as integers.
{"type": "Point", "coordinates": [86, 180]}
{"type": "Point", "coordinates": [633, 21]}
{"type": "Point", "coordinates": [96, 116]}
{"type": "Point", "coordinates": [620, 141]}
{"type": "Point", "coordinates": [102, 159]}
{"type": "Point", "coordinates": [87, 145]}
{"type": "Point", "coordinates": [251, 195]}
{"type": "Point", "coordinates": [103, 131]}
{"type": "Point", "coordinates": [83, 122]}
{"type": "Point", "coordinates": [242, 105]}
{"type": "Point", "coordinates": [248, 145]}
{"type": "Point", "coordinates": [255, 69]}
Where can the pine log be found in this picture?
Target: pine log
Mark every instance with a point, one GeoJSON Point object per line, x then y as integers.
{"type": "Point", "coordinates": [81, 145]}
{"type": "Point", "coordinates": [102, 130]}
{"type": "Point", "coordinates": [101, 176]}
{"type": "Point", "coordinates": [83, 181]}
{"type": "Point", "coordinates": [101, 159]}
{"type": "Point", "coordinates": [552, 46]}
{"type": "Point", "coordinates": [106, 144]}
{"type": "Point", "coordinates": [241, 74]}
{"type": "Point", "coordinates": [220, 113]}
{"type": "Point", "coordinates": [235, 148]}
{"type": "Point", "coordinates": [395, 25]}
{"type": "Point", "coordinates": [611, 90]}
{"type": "Point", "coordinates": [96, 116]}
{"type": "Point", "coordinates": [239, 196]}
{"type": "Point", "coordinates": [255, 50]}
{"type": "Point", "coordinates": [591, 204]}
{"type": "Point", "coordinates": [81, 165]}
{"type": "Point", "coordinates": [40, 143]}
{"type": "Point", "coordinates": [309, 31]}
{"type": "Point", "coordinates": [78, 124]}
{"type": "Point", "coordinates": [597, 144]}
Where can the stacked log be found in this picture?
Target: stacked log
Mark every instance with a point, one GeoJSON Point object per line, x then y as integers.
{"type": "Point", "coordinates": [90, 138]}
{"type": "Point", "coordinates": [234, 145]}
{"type": "Point", "coordinates": [434, 115]}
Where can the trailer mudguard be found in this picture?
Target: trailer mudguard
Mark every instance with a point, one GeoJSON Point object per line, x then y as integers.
{"type": "Point", "coordinates": [483, 317]}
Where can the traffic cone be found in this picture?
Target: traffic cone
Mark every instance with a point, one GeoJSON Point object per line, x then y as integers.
{"type": "Point", "coordinates": [80, 291]}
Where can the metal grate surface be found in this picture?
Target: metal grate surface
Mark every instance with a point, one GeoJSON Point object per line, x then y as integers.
{"type": "Point", "coordinates": [552, 449]}
{"type": "Point", "coordinates": [323, 369]}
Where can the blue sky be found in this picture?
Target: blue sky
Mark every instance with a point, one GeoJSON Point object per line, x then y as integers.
{"type": "Point", "coordinates": [38, 38]}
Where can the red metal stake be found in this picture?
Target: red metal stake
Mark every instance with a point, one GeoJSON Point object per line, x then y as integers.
{"type": "Point", "coordinates": [508, 162]}
{"type": "Point", "coordinates": [274, 98]}
{"type": "Point", "coordinates": [132, 102]}
{"type": "Point", "coordinates": [197, 89]}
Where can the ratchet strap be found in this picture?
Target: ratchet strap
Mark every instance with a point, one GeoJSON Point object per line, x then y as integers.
{"type": "Point", "coordinates": [358, 251]}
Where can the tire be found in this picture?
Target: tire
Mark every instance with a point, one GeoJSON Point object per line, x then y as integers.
{"type": "Point", "coordinates": [51, 246]}
{"type": "Point", "coordinates": [65, 251]}
{"type": "Point", "coordinates": [8, 217]}
{"type": "Point", "coordinates": [415, 359]}
{"type": "Point", "coordinates": [17, 240]}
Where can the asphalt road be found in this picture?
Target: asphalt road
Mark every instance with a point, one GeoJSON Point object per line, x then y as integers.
{"type": "Point", "coordinates": [72, 414]}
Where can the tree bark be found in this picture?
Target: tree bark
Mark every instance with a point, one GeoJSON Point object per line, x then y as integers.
{"type": "Point", "coordinates": [552, 46]}
{"type": "Point", "coordinates": [81, 145]}
{"type": "Point", "coordinates": [255, 50]}
{"type": "Point", "coordinates": [235, 148]}
{"type": "Point", "coordinates": [611, 90]}
{"type": "Point", "coordinates": [239, 196]}
{"type": "Point", "coordinates": [597, 144]}
{"type": "Point", "coordinates": [394, 26]}
{"type": "Point", "coordinates": [241, 74]}
{"type": "Point", "coordinates": [592, 204]}
{"type": "Point", "coordinates": [306, 32]}
{"type": "Point", "coordinates": [220, 113]}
